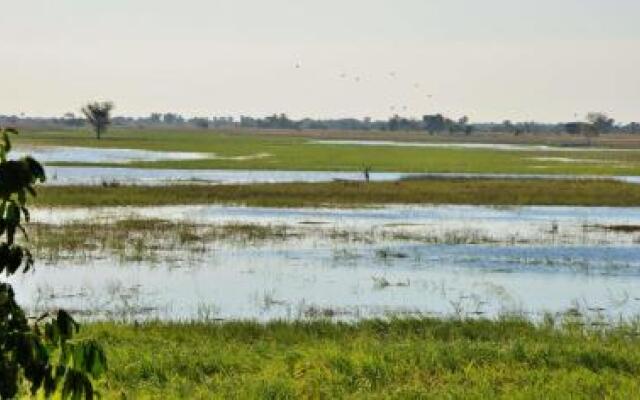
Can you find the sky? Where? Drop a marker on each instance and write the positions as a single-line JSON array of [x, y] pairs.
[[544, 60]]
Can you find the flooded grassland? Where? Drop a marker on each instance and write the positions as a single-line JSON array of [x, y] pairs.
[[192, 150], [193, 288], [222, 262]]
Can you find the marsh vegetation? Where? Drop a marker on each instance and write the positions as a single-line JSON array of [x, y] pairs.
[[440, 191], [150, 263], [418, 265]]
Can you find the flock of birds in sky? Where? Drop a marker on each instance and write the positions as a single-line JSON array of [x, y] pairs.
[[392, 75]]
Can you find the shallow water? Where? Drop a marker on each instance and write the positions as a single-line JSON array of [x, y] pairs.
[[348, 282], [453, 145], [143, 176], [571, 225], [590, 270], [102, 155], [140, 176]]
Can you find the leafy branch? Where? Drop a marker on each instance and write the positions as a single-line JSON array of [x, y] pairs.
[[39, 352]]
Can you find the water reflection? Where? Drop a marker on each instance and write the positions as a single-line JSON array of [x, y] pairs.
[[462, 145], [147, 176], [264, 284], [449, 224], [358, 263], [103, 155]]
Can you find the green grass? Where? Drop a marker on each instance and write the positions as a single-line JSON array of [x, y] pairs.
[[292, 151], [402, 359], [478, 192]]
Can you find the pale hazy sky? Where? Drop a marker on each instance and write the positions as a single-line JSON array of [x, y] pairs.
[[490, 59]]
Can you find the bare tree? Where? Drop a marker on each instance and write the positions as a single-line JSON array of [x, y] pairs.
[[98, 114]]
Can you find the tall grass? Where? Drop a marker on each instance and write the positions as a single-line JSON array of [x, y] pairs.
[[479, 192], [405, 358]]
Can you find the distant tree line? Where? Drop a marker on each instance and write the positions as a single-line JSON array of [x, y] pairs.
[[594, 124]]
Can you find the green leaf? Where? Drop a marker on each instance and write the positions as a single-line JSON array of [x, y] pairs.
[[75, 385], [35, 168], [7, 142], [40, 353], [12, 219], [13, 213], [22, 197], [15, 259], [29, 261], [27, 215], [79, 360], [67, 326], [94, 360]]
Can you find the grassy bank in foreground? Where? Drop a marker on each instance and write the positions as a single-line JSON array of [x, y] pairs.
[[478, 192], [401, 359]]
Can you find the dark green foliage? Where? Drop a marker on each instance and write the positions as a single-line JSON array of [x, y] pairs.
[[41, 354]]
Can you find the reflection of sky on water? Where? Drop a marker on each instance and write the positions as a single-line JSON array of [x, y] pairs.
[[471, 146], [310, 276], [447, 223], [147, 176], [86, 175], [263, 284], [102, 155]]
